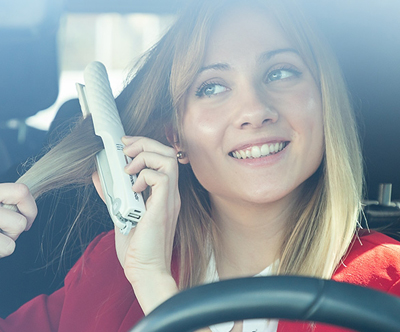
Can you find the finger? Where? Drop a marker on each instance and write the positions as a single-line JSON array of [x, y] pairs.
[[164, 191], [7, 245], [18, 194], [162, 206], [141, 144], [162, 163], [130, 139], [12, 224], [159, 182]]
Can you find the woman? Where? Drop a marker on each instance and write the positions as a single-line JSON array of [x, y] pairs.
[[250, 104]]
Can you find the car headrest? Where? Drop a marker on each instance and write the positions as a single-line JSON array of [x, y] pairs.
[[28, 56]]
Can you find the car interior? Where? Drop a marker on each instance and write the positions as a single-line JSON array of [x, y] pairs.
[[39, 58]]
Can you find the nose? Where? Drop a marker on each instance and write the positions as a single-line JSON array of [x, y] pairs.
[[254, 110]]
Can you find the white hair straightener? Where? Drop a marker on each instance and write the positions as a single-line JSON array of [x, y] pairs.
[[125, 206]]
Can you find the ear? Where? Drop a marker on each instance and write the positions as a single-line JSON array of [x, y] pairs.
[[173, 139], [97, 185]]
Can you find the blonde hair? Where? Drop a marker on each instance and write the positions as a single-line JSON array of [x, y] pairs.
[[324, 221]]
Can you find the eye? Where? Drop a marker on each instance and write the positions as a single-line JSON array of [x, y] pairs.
[[281, 74], [210, 89]]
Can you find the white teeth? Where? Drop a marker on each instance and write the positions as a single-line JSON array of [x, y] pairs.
[[265, 150], [272, 148], [257, 151]]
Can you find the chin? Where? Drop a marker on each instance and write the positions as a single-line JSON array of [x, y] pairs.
[[267, 197]]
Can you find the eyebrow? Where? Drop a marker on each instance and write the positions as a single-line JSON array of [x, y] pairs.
[[268, 55], [263, 57], [216, 66]]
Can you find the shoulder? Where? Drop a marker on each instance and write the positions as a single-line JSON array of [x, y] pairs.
[[99, 255], [374, 245], [373, 260], [103, 244]]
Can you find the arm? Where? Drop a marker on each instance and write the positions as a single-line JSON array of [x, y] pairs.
[[145, 254], [42, 314]]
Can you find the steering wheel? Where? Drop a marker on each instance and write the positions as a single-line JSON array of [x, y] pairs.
[[281, 297]]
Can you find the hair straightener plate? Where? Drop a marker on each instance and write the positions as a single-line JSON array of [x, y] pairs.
[[125, 206]]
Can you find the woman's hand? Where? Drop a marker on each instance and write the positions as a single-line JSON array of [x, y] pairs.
[[13, 223], [146, 252]]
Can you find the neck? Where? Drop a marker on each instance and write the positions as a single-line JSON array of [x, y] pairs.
[[249, 236]]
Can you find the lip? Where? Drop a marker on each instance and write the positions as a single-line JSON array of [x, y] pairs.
[[259, 142]]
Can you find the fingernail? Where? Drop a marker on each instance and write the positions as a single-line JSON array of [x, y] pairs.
[[28, 227], [126, 167], [10, 247], [125, 139]]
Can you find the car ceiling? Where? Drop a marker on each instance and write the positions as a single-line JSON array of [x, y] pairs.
[[123, 6]]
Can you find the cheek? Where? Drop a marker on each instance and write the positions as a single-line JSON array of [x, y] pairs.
[[304, 115], [313, 125], [313, 118], [203, 128], [306, 112]]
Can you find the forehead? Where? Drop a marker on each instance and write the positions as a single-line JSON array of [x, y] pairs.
[[245, 31]]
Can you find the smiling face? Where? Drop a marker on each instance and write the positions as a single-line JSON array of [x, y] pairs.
[[252, 119]]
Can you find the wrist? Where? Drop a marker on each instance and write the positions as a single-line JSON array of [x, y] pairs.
[[153, 289]]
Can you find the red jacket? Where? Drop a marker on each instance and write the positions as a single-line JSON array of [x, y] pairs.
[[98, 297]]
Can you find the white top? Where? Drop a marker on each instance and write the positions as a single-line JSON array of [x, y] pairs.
[[250, 325]]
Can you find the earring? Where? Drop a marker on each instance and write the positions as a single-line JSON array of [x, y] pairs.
[[180, 155]]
